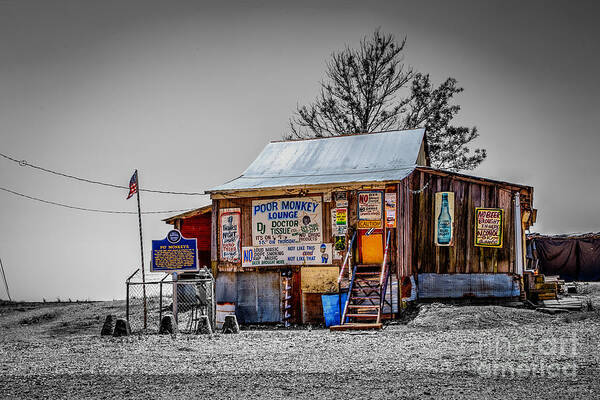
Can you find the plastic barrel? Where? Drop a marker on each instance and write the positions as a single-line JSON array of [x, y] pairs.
[[224, 309], [332, 308]]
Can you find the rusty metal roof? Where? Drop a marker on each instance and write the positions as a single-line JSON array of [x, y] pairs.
[[374, 157]]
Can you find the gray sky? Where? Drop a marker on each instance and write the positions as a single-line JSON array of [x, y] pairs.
[[190, 92]]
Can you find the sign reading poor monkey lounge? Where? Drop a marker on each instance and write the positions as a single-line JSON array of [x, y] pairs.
[[277, 222]]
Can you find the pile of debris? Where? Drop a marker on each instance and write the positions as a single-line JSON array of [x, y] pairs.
[[540, 287], [562, 305], [551, 295]]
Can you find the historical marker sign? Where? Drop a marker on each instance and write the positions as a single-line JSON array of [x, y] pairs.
[[174, 254]]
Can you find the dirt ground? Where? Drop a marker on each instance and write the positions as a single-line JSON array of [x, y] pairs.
[[51, 351]]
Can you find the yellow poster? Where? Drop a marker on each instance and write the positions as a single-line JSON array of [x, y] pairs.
[[488, 227], [341, 216], [369, 224]]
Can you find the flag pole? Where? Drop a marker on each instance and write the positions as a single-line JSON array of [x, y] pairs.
[[142, 249]]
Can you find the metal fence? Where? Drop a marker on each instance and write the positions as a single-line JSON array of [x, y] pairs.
[[148, 301]]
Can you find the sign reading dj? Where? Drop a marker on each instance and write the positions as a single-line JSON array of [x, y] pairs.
[[278, 222]]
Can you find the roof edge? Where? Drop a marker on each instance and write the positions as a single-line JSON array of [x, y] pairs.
[[346, 135]]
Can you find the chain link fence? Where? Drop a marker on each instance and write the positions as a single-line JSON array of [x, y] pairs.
[[147, 302]]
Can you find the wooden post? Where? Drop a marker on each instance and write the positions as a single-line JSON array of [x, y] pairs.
[[175, 296], [142, 250]]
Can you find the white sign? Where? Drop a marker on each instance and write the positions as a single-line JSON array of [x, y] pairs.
[[278, 222], [230, 221], [300, 254], [339, 221], [370, 205], [341, 199]]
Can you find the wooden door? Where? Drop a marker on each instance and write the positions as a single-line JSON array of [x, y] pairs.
[[370, 246]]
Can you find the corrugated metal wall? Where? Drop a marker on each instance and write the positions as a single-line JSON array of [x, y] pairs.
[[255, 294], [467, 285]]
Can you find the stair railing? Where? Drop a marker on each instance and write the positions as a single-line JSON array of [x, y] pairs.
[[383, 265], [382, 294], [347, 258], [343, 320]]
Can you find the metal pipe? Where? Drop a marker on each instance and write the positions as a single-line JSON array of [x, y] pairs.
[[343, 320], [387, 245], [132, 275], [350, 245]]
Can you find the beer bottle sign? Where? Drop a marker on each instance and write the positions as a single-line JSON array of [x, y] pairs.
[[443, 232]]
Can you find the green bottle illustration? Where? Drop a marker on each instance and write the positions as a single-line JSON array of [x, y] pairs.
[[444, 233]]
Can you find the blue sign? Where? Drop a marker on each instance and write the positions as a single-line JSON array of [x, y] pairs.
[[174, 236], [174, 254]]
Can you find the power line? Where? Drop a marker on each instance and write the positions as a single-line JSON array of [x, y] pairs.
[[90, 209], [24, 163]]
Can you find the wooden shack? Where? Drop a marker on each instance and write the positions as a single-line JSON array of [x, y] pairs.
[[365, 212]]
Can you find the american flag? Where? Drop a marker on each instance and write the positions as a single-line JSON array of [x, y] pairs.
[[133, 185]]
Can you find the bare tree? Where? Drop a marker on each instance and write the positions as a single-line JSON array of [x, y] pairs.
[[370, 89]]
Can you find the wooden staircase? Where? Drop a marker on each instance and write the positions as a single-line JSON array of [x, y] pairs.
[[366, 294]]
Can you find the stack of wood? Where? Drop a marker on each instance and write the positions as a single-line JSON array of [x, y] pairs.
[[559, 282], [540, 287], [564, 304]]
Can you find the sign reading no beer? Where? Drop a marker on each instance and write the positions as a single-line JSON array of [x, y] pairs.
[[488, 227]]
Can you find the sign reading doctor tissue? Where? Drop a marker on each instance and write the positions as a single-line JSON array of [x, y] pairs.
[[278, 222]]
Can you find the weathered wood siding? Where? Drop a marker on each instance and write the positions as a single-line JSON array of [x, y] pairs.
[[418, 216]]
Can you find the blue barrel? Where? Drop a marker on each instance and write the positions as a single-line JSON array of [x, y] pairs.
[[331, 308]]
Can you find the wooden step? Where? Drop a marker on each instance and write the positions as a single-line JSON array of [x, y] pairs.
[[368, 273], [365, 298], [355, 327], [372, 306], [361, 315]]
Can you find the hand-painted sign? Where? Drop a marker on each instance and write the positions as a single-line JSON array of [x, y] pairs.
[[370, 210], [444, 219], [390, 210], [488, 227], [174, 254], [341, 199], [369, 224], [230, 232], [287, 221], [340, 243], [300, 254], [339, 221]]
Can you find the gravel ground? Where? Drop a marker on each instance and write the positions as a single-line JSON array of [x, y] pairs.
[[55, 351]]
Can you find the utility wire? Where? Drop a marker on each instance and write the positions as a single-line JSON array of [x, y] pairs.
[[90, 209], [24, 163], [5, 281]]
